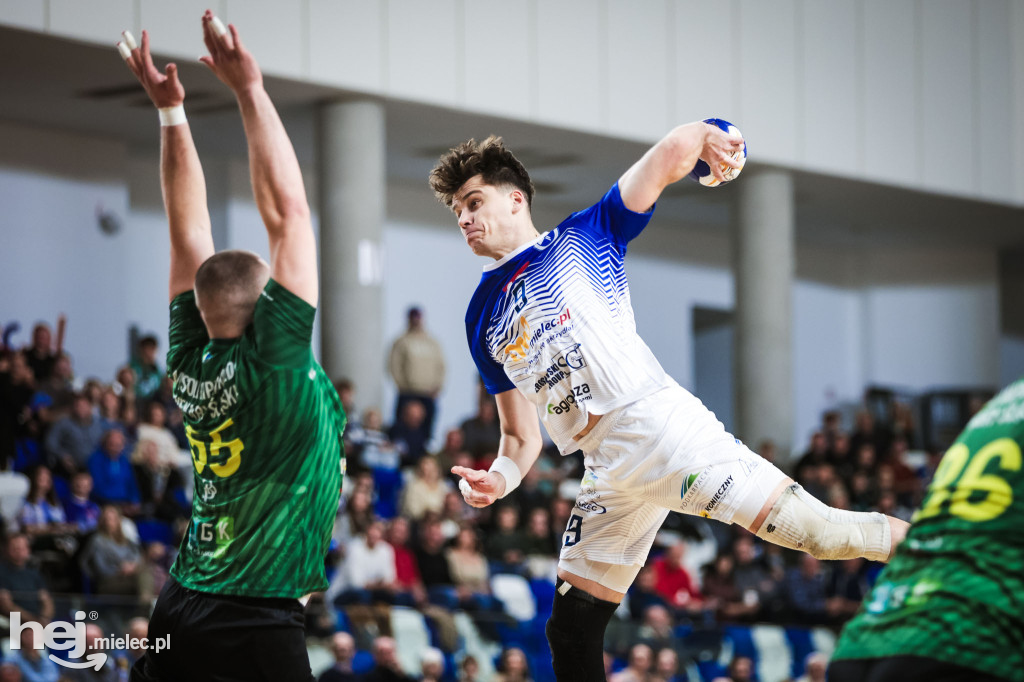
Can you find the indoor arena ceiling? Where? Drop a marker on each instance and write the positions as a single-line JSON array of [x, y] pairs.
[[66, 85]]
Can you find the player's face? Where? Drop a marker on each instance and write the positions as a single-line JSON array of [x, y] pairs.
[[483, 212]]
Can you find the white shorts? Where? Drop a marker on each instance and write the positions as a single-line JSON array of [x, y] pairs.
[[665, 452]]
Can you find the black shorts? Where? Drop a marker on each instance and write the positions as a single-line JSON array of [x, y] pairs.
[[221, 638], [904, 669]]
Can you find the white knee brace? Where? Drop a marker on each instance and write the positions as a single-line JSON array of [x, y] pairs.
[[799, 521]]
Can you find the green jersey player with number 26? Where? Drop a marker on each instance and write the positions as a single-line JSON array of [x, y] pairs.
[[950, 605]]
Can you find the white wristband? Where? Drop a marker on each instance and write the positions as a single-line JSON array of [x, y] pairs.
[[172, 116], [510, 471]]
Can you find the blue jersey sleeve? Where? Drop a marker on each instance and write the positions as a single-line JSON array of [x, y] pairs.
[[611, 218], [493, 374]]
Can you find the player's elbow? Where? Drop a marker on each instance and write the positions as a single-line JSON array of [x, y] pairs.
[[287, 211], [681, 148]]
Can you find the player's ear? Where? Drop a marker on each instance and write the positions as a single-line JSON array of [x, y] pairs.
[[518, 200]]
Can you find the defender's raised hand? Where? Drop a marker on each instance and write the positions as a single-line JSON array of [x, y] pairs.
[[228, 59], [164, 89]]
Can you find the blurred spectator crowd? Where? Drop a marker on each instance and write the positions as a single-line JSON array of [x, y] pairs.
[[96, 488]]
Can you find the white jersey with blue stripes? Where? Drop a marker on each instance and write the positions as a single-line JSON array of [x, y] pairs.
[[553, 319]]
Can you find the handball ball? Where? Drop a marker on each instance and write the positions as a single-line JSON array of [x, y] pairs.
[[702, 172]]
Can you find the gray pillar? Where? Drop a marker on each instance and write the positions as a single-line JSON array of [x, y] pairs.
[[764, 259], [352, 194]]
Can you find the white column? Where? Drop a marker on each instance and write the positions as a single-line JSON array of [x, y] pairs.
[[764, 252], [352, 209]]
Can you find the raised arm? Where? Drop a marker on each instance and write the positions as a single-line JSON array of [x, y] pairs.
[[276, 177], [520, 442], [672, 158], [181, 175]]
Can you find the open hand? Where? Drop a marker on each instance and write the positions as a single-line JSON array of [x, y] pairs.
[[228, 59], [164, 89], [479, 488]]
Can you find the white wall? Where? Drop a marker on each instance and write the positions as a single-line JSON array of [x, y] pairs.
[[51, 186], [916, 319], [923, 94]]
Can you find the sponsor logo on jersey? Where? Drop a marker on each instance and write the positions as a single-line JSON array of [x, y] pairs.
[[692, 485], [565, 363], [528, 336], [587, 500], [717, 497], [577, 395]]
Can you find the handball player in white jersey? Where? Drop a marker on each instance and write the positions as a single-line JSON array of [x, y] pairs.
[[552, 333]]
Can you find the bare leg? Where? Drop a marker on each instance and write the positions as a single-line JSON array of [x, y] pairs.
[[591, 587]]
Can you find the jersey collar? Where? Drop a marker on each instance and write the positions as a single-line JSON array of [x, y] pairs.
[[498, 263]]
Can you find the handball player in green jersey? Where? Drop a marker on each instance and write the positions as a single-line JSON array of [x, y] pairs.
[[950, 605], [264, 423]]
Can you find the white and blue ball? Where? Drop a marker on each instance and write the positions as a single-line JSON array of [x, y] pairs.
[[702, 172]]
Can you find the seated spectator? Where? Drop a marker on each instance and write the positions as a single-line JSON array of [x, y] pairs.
[[110, 559], [60, 387], [153, 429], [343, 647], [110, 410], [455, 514], [22, 588], [16, 389], [723, 596], [41, 355], [409, 433], [426, 491], [847, 586], [355, 518], [512, 666], [73, 438], [42, 516], [804, 588], [674, 582], [741, 669], [642, 594], [814, 668], [431, 665], [407, 573], [539, 546], [138, 630], [31, 661], [367, 573], [454, 445], [657, 629], [753, 579], [381, 457], [638, 667], [433, 563], [469, 670], [112, 474], [468, 567], [79, 509], [147, 371], [482, 432], [506, 544], [386, 667], [160, 484], [666, 666], [154, 571]]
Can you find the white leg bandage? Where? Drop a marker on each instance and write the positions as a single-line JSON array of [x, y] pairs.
[[799, 521]]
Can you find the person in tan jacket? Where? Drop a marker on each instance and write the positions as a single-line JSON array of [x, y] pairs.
[[416, 364]]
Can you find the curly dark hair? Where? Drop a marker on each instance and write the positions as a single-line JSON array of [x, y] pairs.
[[489, 159]]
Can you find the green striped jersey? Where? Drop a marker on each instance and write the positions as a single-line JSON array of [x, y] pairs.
[[264, 425], [954, 591]]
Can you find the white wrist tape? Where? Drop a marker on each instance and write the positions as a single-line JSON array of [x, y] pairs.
[[798, 520], [172, 116], [510, 471]]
